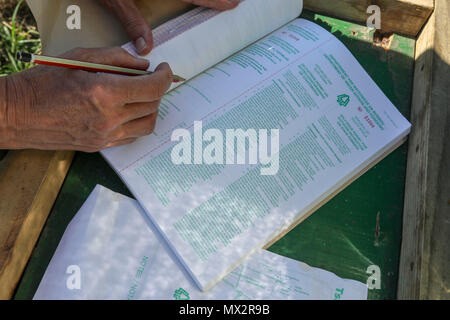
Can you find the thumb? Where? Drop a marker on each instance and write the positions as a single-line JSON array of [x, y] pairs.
[[134, 23]]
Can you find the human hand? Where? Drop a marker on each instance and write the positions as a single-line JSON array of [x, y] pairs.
[[63, 109], [137, 27]]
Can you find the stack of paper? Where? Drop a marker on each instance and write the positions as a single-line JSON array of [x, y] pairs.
[[109, 251]]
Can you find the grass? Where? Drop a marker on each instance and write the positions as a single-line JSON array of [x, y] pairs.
[[17, 33]]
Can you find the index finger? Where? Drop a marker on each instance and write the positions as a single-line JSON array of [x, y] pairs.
[[146, 88]]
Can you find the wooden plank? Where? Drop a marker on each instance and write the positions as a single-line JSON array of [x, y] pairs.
[[405, 17], [425, 257], [29, 184]]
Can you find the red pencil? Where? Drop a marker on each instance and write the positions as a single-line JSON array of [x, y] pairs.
[[86, 66]]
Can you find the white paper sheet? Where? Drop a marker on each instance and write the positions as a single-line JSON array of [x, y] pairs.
[[118, 256]]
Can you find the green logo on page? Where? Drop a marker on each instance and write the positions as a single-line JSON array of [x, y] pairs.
[[181, 294], [343, 100]]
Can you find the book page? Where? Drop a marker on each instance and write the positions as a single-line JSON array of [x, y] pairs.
[[203, 37], [332, 122], [118, 256]]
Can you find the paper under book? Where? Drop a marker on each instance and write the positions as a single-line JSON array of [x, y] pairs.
[[256, 67], [111, 251]]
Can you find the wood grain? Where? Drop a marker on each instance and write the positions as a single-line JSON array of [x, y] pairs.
[[425, 257], [29, 184], [406, 17]]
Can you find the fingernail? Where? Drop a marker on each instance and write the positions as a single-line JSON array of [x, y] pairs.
[[140, 44]]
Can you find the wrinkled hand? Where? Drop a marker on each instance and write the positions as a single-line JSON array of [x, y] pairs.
[[63, 109], [136, 25]]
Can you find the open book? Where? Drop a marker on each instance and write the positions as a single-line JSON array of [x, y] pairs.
[[306, 110]]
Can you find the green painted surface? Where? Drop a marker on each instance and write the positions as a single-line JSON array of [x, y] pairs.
[[339, 237]]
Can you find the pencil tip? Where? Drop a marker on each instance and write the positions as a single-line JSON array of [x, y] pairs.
[[178, 79]]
